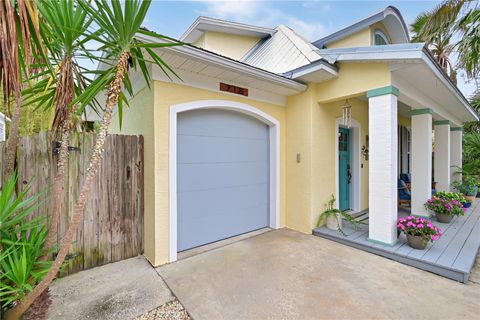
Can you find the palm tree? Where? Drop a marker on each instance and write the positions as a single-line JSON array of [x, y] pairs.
[[19, 45], [118, 29], [439, 43], [460, 19], [65, 33]]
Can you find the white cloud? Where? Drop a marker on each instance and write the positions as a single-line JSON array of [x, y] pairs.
[[261, 13], [240, 9]]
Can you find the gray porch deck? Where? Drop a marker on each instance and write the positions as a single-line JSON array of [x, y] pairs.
[[452, 256]]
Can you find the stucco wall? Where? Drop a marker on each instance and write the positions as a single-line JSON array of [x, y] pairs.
[[229, 45], [330, 112], [354, 79], [299, 174], [363, 38], [311, 133]]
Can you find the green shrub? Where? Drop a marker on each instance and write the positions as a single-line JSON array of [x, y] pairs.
[[21, 243]]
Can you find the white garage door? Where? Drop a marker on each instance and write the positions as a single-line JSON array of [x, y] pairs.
[[222, 177]]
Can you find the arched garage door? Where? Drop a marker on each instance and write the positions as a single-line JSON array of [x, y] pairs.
[[222, 176]]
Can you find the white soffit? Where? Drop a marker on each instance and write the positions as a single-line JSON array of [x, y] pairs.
[[422, 88], [205, 70]]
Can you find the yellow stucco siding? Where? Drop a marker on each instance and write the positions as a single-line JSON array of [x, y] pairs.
[[166, 95], [229, 45], [363, 38], [138, 119], [354, 79], [200, 42], [330, 113], [311, 133], [299, 141]]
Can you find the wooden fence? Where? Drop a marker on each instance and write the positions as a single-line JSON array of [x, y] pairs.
[[112, 227]]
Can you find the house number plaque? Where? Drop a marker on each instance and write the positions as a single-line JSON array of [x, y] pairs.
[[233, 89]]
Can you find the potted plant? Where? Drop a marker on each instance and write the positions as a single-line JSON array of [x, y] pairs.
[[333, 217], [455, 196], [468, 186], [445, 206], [419, 231]]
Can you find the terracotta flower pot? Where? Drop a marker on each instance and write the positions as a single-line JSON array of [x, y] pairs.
[[443, 218], [470, 198], [416, 242]]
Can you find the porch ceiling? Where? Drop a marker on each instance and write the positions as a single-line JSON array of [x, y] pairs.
[[421, 88]]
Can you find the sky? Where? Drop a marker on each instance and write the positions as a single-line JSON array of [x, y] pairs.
[[311, 19]]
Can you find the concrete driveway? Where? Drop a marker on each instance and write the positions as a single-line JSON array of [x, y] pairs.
[[120, 290], [284, 274]]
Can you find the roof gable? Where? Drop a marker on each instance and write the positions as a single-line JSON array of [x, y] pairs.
[[390, 18]]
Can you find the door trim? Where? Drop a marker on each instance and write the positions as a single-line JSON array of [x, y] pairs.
[[355, 162], [274, 157]]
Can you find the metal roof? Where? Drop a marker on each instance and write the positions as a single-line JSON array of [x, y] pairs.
[[282, 52]]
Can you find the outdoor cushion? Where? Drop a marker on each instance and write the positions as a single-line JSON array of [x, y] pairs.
[[403, 192], [405, 177]]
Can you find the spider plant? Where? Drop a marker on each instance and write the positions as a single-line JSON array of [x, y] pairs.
[[333, 213]]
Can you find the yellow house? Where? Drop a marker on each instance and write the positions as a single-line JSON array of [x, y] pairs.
[[264, 126]]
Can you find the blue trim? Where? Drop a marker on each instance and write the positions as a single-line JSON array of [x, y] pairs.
[[382, 243], [417, 112], [441, 122]]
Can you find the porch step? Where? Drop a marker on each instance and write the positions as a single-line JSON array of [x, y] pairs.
[[361, 216]]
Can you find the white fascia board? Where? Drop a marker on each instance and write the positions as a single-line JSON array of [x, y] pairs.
[[202, 24], [376, 55], [306, 72], [436, 69], [228, 63]]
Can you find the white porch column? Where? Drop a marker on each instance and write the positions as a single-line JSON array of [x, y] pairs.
[[383, 136], [442, 155], [456, 135], [421, 160]]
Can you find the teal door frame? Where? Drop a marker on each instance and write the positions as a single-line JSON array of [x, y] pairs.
[[344, 168]]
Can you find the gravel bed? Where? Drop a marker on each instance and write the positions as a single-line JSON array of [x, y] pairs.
[[172, 310]]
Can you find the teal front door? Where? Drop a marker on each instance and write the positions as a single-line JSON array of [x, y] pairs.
[[344, 174]]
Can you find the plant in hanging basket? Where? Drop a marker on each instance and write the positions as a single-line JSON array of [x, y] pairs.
[[445, 206], [419, 231]]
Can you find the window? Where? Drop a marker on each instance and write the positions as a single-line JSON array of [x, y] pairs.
[[380, 38]]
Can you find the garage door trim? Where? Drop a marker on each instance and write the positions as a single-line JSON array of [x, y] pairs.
[[274, 139]]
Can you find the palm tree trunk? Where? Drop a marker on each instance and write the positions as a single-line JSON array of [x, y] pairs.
[[57, 191], [97, 155], [13, 137]]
